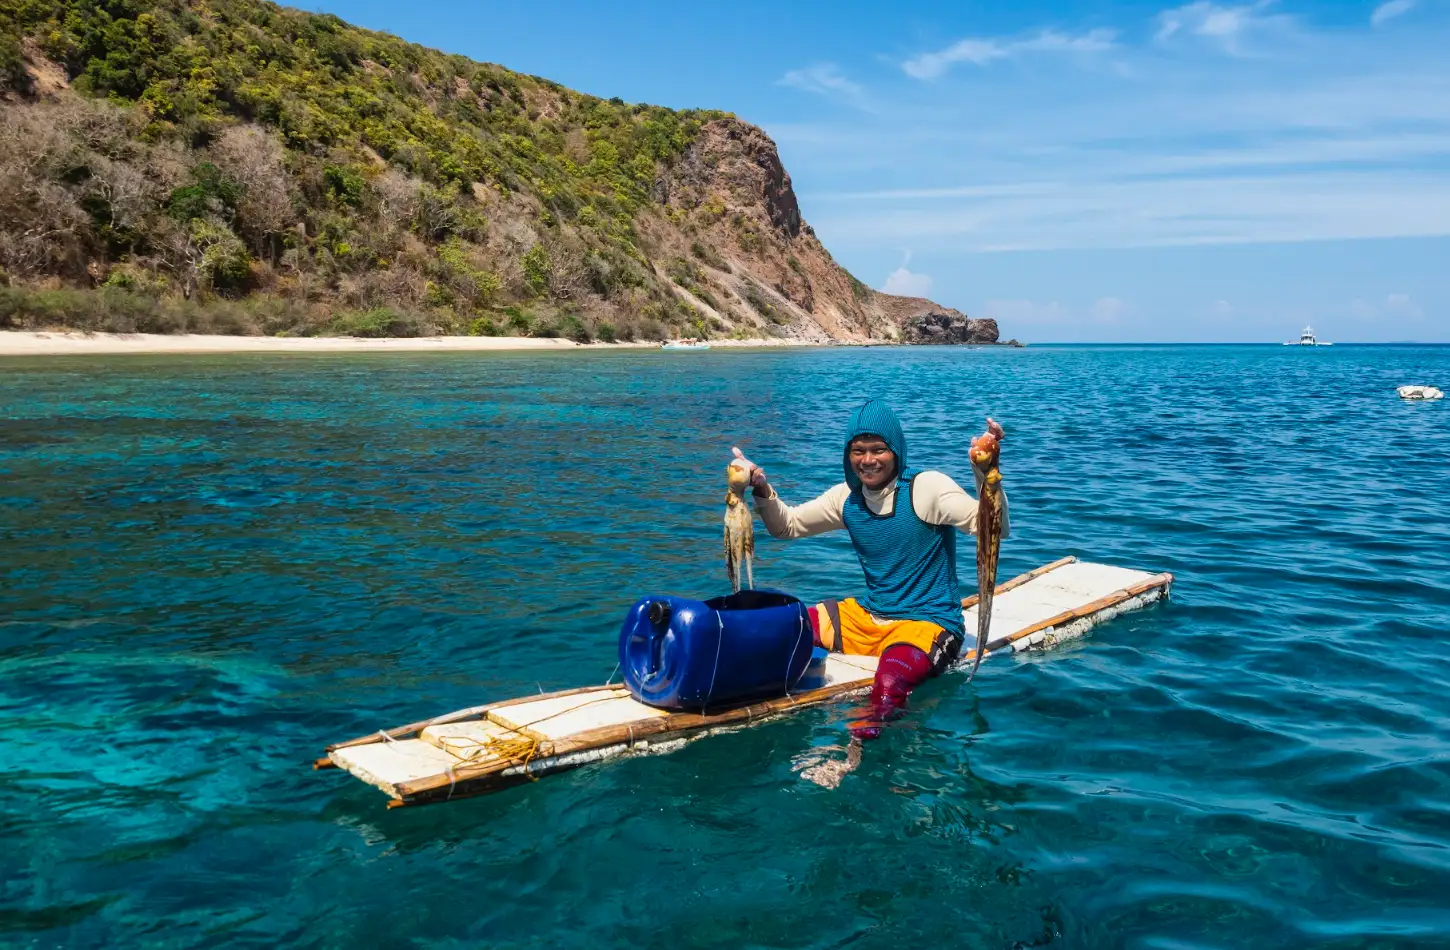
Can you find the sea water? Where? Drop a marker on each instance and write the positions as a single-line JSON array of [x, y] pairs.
[[214, 566]]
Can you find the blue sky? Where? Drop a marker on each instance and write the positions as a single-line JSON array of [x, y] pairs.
[[1081, 172]]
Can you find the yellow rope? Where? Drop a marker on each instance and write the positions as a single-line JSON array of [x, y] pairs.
[[521, 750]]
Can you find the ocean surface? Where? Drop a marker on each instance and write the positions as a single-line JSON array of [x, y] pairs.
[[211, 567]]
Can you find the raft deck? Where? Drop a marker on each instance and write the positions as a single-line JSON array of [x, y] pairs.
[[487, 748]]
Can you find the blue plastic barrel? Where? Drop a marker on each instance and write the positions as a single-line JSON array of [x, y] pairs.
[[678, 653]]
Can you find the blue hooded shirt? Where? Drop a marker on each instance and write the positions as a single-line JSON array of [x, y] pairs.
[[910, 566]]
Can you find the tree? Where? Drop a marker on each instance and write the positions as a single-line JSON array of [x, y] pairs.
[[254, 159]]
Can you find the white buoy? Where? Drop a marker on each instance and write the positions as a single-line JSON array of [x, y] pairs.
[[1420, 392]]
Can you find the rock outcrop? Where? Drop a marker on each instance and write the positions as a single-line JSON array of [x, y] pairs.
[[949, 326]]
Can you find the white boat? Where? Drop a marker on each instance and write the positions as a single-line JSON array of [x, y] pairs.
[[1307, 338], [684, 346]]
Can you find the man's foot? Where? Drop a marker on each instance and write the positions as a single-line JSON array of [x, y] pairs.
[[827, 772]]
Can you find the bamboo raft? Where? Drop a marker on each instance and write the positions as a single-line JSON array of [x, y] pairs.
[[488, 748]]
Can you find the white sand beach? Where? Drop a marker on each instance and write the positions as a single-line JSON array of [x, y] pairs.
[[62, 343]]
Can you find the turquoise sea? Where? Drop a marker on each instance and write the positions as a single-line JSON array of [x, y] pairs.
[[211, 567]]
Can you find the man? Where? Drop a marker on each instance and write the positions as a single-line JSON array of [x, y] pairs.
[[903, 526]]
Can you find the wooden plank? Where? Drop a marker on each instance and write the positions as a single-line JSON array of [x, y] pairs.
[[405, 732], [1077, 613], [617, 710], [386, 764], [1019, 580]]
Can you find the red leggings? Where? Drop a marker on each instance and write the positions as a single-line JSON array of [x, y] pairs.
[[902, 668]]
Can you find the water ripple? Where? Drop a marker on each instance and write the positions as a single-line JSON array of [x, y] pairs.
[[213, 567]]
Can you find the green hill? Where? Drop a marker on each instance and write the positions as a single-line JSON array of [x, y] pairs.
[[236, 166]]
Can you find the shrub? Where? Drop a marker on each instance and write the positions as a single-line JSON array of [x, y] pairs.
[[758, 301], [225, 264], [749, 241], [211, 193], [709, 255], [519, 322], [536, 269], [574, 329], [484, 326], [345, 185], [607, 332], [375, 323], [13, 74]]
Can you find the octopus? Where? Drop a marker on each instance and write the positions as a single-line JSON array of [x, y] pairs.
[[739, 529], [985, 453]]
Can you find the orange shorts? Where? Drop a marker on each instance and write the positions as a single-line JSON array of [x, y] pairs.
[[844, 626]]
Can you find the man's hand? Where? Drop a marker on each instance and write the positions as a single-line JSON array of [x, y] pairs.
[[756, 474]]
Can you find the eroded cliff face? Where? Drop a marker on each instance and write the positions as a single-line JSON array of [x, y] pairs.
[[731, 193]]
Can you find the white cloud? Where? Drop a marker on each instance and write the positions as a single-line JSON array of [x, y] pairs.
[[1110, 309], [1390, 9], [823, 79], [1168, 212], [1397, 307], [1017, 312], [984, 51], [1224, 25], [1340, 134], [904, 283], [1403, 304], [1051, 41]]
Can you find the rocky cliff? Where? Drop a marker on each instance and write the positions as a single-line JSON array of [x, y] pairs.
[[315, 177]]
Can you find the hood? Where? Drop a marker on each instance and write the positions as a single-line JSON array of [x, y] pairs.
[[874, 417]]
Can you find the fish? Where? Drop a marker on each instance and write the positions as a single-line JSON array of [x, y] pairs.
[[739, 529], [986, 453]]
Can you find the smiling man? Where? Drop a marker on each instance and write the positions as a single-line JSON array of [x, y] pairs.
[[903, 526]]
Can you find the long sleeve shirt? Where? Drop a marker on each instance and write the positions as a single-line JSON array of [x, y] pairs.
[[935, 498]]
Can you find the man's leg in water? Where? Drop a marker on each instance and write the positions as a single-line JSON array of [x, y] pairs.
[[902, 668]]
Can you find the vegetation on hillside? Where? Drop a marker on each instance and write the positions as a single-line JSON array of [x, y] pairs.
[[268, 170]]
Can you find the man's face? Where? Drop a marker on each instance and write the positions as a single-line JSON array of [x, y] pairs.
[[872, 461]]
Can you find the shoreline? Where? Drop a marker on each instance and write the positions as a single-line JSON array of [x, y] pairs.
[[69, 343]]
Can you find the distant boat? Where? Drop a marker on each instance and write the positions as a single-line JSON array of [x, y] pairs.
[[685, 345], [1307, 338]]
